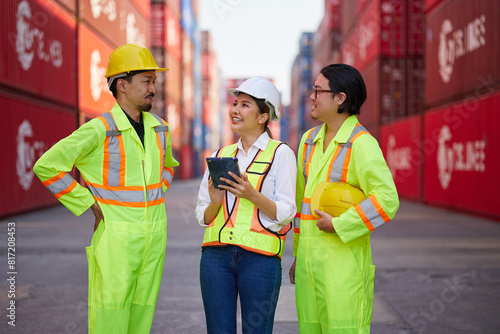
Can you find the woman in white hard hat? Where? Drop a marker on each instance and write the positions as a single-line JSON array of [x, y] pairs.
[[246, 222]]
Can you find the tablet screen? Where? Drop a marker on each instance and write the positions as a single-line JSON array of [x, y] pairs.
[[220, 166]]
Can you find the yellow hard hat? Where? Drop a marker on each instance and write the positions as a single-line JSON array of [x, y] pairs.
[[335, 198], [131, 57]]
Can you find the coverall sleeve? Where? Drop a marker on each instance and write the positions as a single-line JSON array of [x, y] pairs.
[[369, 172], [299, 194], [54, 166], [169, 163]]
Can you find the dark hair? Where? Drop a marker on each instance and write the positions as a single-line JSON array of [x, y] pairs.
[[264, 109], [128, 78], [346, 79]]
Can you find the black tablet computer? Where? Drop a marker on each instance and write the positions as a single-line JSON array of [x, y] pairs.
[[220, 166]]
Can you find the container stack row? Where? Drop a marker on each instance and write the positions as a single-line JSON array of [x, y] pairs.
[[53, 60], [447, 156], [433, 79], [38, 93]]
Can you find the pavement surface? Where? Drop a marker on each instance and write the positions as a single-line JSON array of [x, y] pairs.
[[438, 272]]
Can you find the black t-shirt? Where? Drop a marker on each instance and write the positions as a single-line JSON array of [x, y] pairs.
[[138, 126]]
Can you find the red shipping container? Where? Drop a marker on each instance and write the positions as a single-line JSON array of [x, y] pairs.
[[461, 155], [38, 53], [187, 162], [95, 97], [119, 22], [431, 4], [391, 28], [462, 50], [30, 128], [69, 5], [173, 34], [400, 142], [173, 77], [144, 7], [173, 118], [175, 8], [158, 25]]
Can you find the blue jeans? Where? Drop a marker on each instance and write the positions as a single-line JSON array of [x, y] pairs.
[[229, 271]]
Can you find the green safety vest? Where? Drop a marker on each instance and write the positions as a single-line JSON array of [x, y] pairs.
[[241, 225]]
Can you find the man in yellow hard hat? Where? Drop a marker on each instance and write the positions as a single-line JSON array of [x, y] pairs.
[[344, 191], [125, 157]]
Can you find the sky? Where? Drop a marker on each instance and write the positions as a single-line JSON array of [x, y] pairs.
[[259, 37]]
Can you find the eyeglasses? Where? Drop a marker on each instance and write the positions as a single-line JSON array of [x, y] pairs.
[[316, 91]]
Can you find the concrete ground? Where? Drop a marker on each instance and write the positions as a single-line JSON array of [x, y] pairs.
[[438, 272]]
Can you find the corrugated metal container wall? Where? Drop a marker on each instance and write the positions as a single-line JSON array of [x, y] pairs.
[[187, 77], [29, 128], [462, 50], [415, 82], [348, 10], [95, 97], [69, 5], [144, 7], [119, 24], [392, 89], [157, 25], [173, 34], [391, 28], [362, 45], [431, 4], [461, 155], [173, 77], [400, 142], [369, 116], [159, 103], [173, 119], [38, 53], [175, 7]]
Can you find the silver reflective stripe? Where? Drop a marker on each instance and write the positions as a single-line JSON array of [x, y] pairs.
[[161, 130], [167, 176], [310, 144], [155, 194], [118, 195], [296, 222], [113, 150], [60, 185], [306, 209], [371, 213], [356, 130], [338, 164]]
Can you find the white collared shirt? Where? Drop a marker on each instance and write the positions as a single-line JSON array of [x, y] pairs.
[[278, 186]]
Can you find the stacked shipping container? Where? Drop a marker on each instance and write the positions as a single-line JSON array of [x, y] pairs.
[[38, 94], [299, 119], [385, 43], [105, 25], [212, 113], [462, 99]]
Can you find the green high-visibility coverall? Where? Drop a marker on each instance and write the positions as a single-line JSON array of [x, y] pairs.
[[334, 271], [128, 180]]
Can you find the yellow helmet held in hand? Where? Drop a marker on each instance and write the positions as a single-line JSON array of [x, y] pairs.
[[335, 198], [131, 57]]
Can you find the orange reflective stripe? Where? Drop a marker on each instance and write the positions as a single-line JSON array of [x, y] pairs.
[[61, 184], [122, 161], [345, 166], [54, 179], [379, 208], [128, 204], [364, 218], [335, 154]]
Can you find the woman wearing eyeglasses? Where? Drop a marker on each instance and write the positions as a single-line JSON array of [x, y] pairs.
[[333, 271], [246, 222]]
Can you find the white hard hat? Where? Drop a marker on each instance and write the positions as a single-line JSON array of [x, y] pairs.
[[263, 89]]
